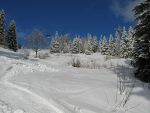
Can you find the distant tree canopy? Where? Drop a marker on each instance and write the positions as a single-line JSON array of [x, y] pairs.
[[120, 45]]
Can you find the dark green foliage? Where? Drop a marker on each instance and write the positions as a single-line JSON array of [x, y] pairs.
[[56, 44], [11, 37], [2, 27], [142, 41], [76, 46]]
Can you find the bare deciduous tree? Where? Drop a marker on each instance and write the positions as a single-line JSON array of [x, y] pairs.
[[35, 41]]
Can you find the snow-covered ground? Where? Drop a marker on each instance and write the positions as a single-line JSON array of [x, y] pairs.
[[52, 85]]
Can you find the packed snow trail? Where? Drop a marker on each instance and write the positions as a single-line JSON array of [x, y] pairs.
[[15, 69]]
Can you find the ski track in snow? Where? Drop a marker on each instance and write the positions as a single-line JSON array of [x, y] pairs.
[[20, 67], [85, 87]]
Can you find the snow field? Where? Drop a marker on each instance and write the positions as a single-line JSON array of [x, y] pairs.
[[52, 85]]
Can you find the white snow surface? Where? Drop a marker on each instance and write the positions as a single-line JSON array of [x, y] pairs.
[[52, 85]]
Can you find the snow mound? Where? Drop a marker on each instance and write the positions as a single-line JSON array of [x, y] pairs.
[[5, 108], [19, 111]]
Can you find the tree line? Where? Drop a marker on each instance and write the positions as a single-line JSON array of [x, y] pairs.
[[8, 37], [121, 45]]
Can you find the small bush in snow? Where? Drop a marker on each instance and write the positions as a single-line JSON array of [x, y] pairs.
[[76, 62], [107, 57], [43, 55], [87, 52], [125, 79], [26, 54]]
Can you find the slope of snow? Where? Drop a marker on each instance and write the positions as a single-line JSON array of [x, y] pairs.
[[52, 85]]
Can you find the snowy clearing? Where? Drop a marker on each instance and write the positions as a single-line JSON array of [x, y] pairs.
[[52, 85]]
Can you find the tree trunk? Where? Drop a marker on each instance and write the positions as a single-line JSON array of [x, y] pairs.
[[36, 53]]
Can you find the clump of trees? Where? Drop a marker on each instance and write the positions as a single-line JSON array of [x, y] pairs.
[[120, 45], [8, 38]]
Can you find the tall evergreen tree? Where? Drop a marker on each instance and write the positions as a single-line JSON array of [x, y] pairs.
[[118, 41], [104, 46], [94, 44], [124, 33], [2, 28], [11, 36], [76, 46], [89, 43], [100, 47], [131, 39], [111, 46], [66, 38], [124, 44], [81, 46], [55, 44], [126, 47], [66, 48], [85, 44], [70, 45], [142, 41]]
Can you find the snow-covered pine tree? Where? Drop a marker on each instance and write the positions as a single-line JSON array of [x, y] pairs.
[[75, 45], [118, 41], [56, 47], [131, 39], [142, 41], [66, 38], [11, 36], [104, 46], [52, 45], [66, 43], [124, 49], [81, 46], [2, 28], [55, 44], [94, 44], [100, 47], [111, 46], [85, 45], [90, 49], [70, 46], [124, 46], [66, 48], [127, 42], [89, 43], [61, 42], [124, 33]]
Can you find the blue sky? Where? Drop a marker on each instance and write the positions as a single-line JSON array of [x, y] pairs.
[[69, 16]]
